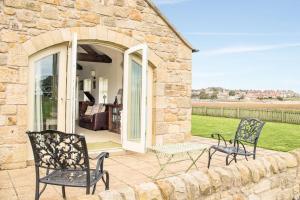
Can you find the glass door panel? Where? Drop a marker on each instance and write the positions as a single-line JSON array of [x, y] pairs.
[[133, 120], [134, 101], [46, 93], [47, 89]]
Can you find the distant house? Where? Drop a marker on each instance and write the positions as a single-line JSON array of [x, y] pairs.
[[57, 57]]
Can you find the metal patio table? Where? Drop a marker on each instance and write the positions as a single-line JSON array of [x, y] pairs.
[[173, 153]]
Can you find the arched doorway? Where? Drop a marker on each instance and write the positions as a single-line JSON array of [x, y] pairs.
[[51, 90]]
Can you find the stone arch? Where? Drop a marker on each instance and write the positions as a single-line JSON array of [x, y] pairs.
[[19, 55]]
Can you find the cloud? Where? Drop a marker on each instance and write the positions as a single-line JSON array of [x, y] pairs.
[[246, 49], [164, 2], [240, 34]]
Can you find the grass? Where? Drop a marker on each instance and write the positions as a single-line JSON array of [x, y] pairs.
[[275, 136]]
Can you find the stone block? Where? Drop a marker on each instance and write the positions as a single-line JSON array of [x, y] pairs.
[[245, 173], [9, 74], [274, 165], [90, 17], [110, 195], [25, 15], [3, 59], [226, 177], [87, 197], [289, 159], [3, 47], [203, 181], [16, 94], [12, 135], [179, 188], [127, 193], [50, 12], [267, 165], [14, 3], [262, 186], [12, 153], [192, 186], [254, 171], [215, 179], [22, 116], [32, 5], [135, 15], [9, 36], [282, 166], [2, 87], [236, 176], [84, 4], [148, 191]]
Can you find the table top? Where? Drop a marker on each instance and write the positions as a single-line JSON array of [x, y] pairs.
[[172, 149]]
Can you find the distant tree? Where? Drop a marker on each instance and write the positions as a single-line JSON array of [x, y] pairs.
[[279, 98], [214, 95], [231, 93], [203, 95], [242, 97]]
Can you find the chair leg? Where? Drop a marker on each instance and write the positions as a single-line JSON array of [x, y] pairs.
[[63, 191], [106, 181], [227, 157], [37, 190], [210, 154], [88, 189], [94, 189]]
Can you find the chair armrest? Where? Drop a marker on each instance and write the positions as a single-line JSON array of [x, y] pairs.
[[220, 138], [99, 116], [100, 162]]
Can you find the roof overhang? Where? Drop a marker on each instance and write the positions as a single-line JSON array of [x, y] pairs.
[[164, 18]]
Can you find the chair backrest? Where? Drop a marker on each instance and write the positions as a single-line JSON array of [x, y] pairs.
[[58, 150], [249, 130]]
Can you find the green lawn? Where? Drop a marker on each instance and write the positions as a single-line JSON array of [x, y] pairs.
[[276, 136]]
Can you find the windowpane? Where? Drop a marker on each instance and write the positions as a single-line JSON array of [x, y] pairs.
[[46, 93], [134, 101]]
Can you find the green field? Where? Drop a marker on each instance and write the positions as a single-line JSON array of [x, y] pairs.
[[275, 136]]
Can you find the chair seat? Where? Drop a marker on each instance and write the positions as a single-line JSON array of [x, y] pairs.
[[231, 150], [71, 178], [87, 118]]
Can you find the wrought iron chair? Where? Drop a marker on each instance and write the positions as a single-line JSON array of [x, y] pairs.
[[247, 132], [65, 158]]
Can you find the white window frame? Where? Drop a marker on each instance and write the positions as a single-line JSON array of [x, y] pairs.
[[103, 89]]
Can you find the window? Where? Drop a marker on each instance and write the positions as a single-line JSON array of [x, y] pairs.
[[103, 90], [87, 87]]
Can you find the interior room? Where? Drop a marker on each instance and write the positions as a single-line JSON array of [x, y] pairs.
[[99, 95]]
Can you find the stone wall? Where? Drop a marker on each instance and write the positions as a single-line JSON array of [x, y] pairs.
[[28, 26], [276, 177]]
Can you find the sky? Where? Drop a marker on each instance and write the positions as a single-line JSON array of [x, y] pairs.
[[252, 44]]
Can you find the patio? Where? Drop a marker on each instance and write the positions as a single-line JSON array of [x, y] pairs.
[[125, 168]]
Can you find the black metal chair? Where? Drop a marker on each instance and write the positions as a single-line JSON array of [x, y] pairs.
[[247, 132], [65, 158]]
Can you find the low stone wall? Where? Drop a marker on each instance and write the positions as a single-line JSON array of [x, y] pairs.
[[275, 177]]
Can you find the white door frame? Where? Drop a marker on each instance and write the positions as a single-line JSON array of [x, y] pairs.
[[62, 61], [130, 145], [71, 85]]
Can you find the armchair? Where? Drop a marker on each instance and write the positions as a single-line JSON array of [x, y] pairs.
[[248, 132], [65, 158], [97, 121]]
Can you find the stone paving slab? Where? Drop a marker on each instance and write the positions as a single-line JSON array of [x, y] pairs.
[[125, 170]]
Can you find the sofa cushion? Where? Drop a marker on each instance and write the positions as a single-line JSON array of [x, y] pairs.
[[89, 110]]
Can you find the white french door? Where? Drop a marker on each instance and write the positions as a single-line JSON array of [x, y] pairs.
[[71, 86], [133, 123], [47, 86]]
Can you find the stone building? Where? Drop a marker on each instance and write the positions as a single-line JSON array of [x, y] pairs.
[[41, 41]]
